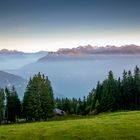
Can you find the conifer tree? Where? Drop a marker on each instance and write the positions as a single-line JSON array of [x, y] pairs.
[[137, 87], [38, 101], [13, 106], [1, 105]]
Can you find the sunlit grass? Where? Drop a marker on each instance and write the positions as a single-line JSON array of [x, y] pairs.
[[111, 126]]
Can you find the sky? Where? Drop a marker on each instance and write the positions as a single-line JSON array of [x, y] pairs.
[[33, 25]]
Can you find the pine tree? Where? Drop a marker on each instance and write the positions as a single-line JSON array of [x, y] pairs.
[[38, 101], [106, 94], [1, 105], [137, 87], [13, 106], [17, 104]]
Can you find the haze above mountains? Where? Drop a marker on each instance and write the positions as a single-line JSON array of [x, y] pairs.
[[87, 65]]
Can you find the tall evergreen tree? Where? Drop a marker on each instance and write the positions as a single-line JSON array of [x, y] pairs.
[[38, 101], [1, 105], [137, 87], [13, 106]]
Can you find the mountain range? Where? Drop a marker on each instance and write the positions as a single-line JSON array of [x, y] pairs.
[[13, 59], [127, 49], [64, 73], [82, 51], [89, 49], [8, 52], [15, 52], [132, 49]]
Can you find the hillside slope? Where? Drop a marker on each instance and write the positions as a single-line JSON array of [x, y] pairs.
[[9, 80], [119, 126]]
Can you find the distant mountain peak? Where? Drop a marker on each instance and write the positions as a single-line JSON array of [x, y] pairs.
[[16, 52], [6, 51], [76, 51]]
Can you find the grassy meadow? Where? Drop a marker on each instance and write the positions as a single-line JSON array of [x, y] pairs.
[[107, 126]]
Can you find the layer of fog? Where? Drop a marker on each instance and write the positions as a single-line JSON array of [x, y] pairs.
[[76, 78]]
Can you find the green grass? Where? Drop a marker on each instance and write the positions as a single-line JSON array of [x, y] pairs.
[[108, 126]]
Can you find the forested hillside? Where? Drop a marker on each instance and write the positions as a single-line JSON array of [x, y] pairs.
[[38, 102], [110, 95]]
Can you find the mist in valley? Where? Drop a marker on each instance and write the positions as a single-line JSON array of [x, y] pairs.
[[76, 77]]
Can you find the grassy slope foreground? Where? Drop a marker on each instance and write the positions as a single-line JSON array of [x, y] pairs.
[[112, 126]]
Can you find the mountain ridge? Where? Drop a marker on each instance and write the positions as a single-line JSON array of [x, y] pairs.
[[95, 49], [6, 51], [82, 51], [8, 80], [15, 52]]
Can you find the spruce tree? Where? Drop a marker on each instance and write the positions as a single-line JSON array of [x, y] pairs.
[[137, 87], [13, 106], [1, 105], [38, 101]]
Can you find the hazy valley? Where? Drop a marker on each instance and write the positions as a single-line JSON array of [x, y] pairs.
[[71, 75]]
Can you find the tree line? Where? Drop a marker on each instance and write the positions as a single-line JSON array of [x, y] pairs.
[[109, 95], [38, 102]]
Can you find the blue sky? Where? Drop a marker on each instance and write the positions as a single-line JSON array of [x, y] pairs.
[[32, 25]]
